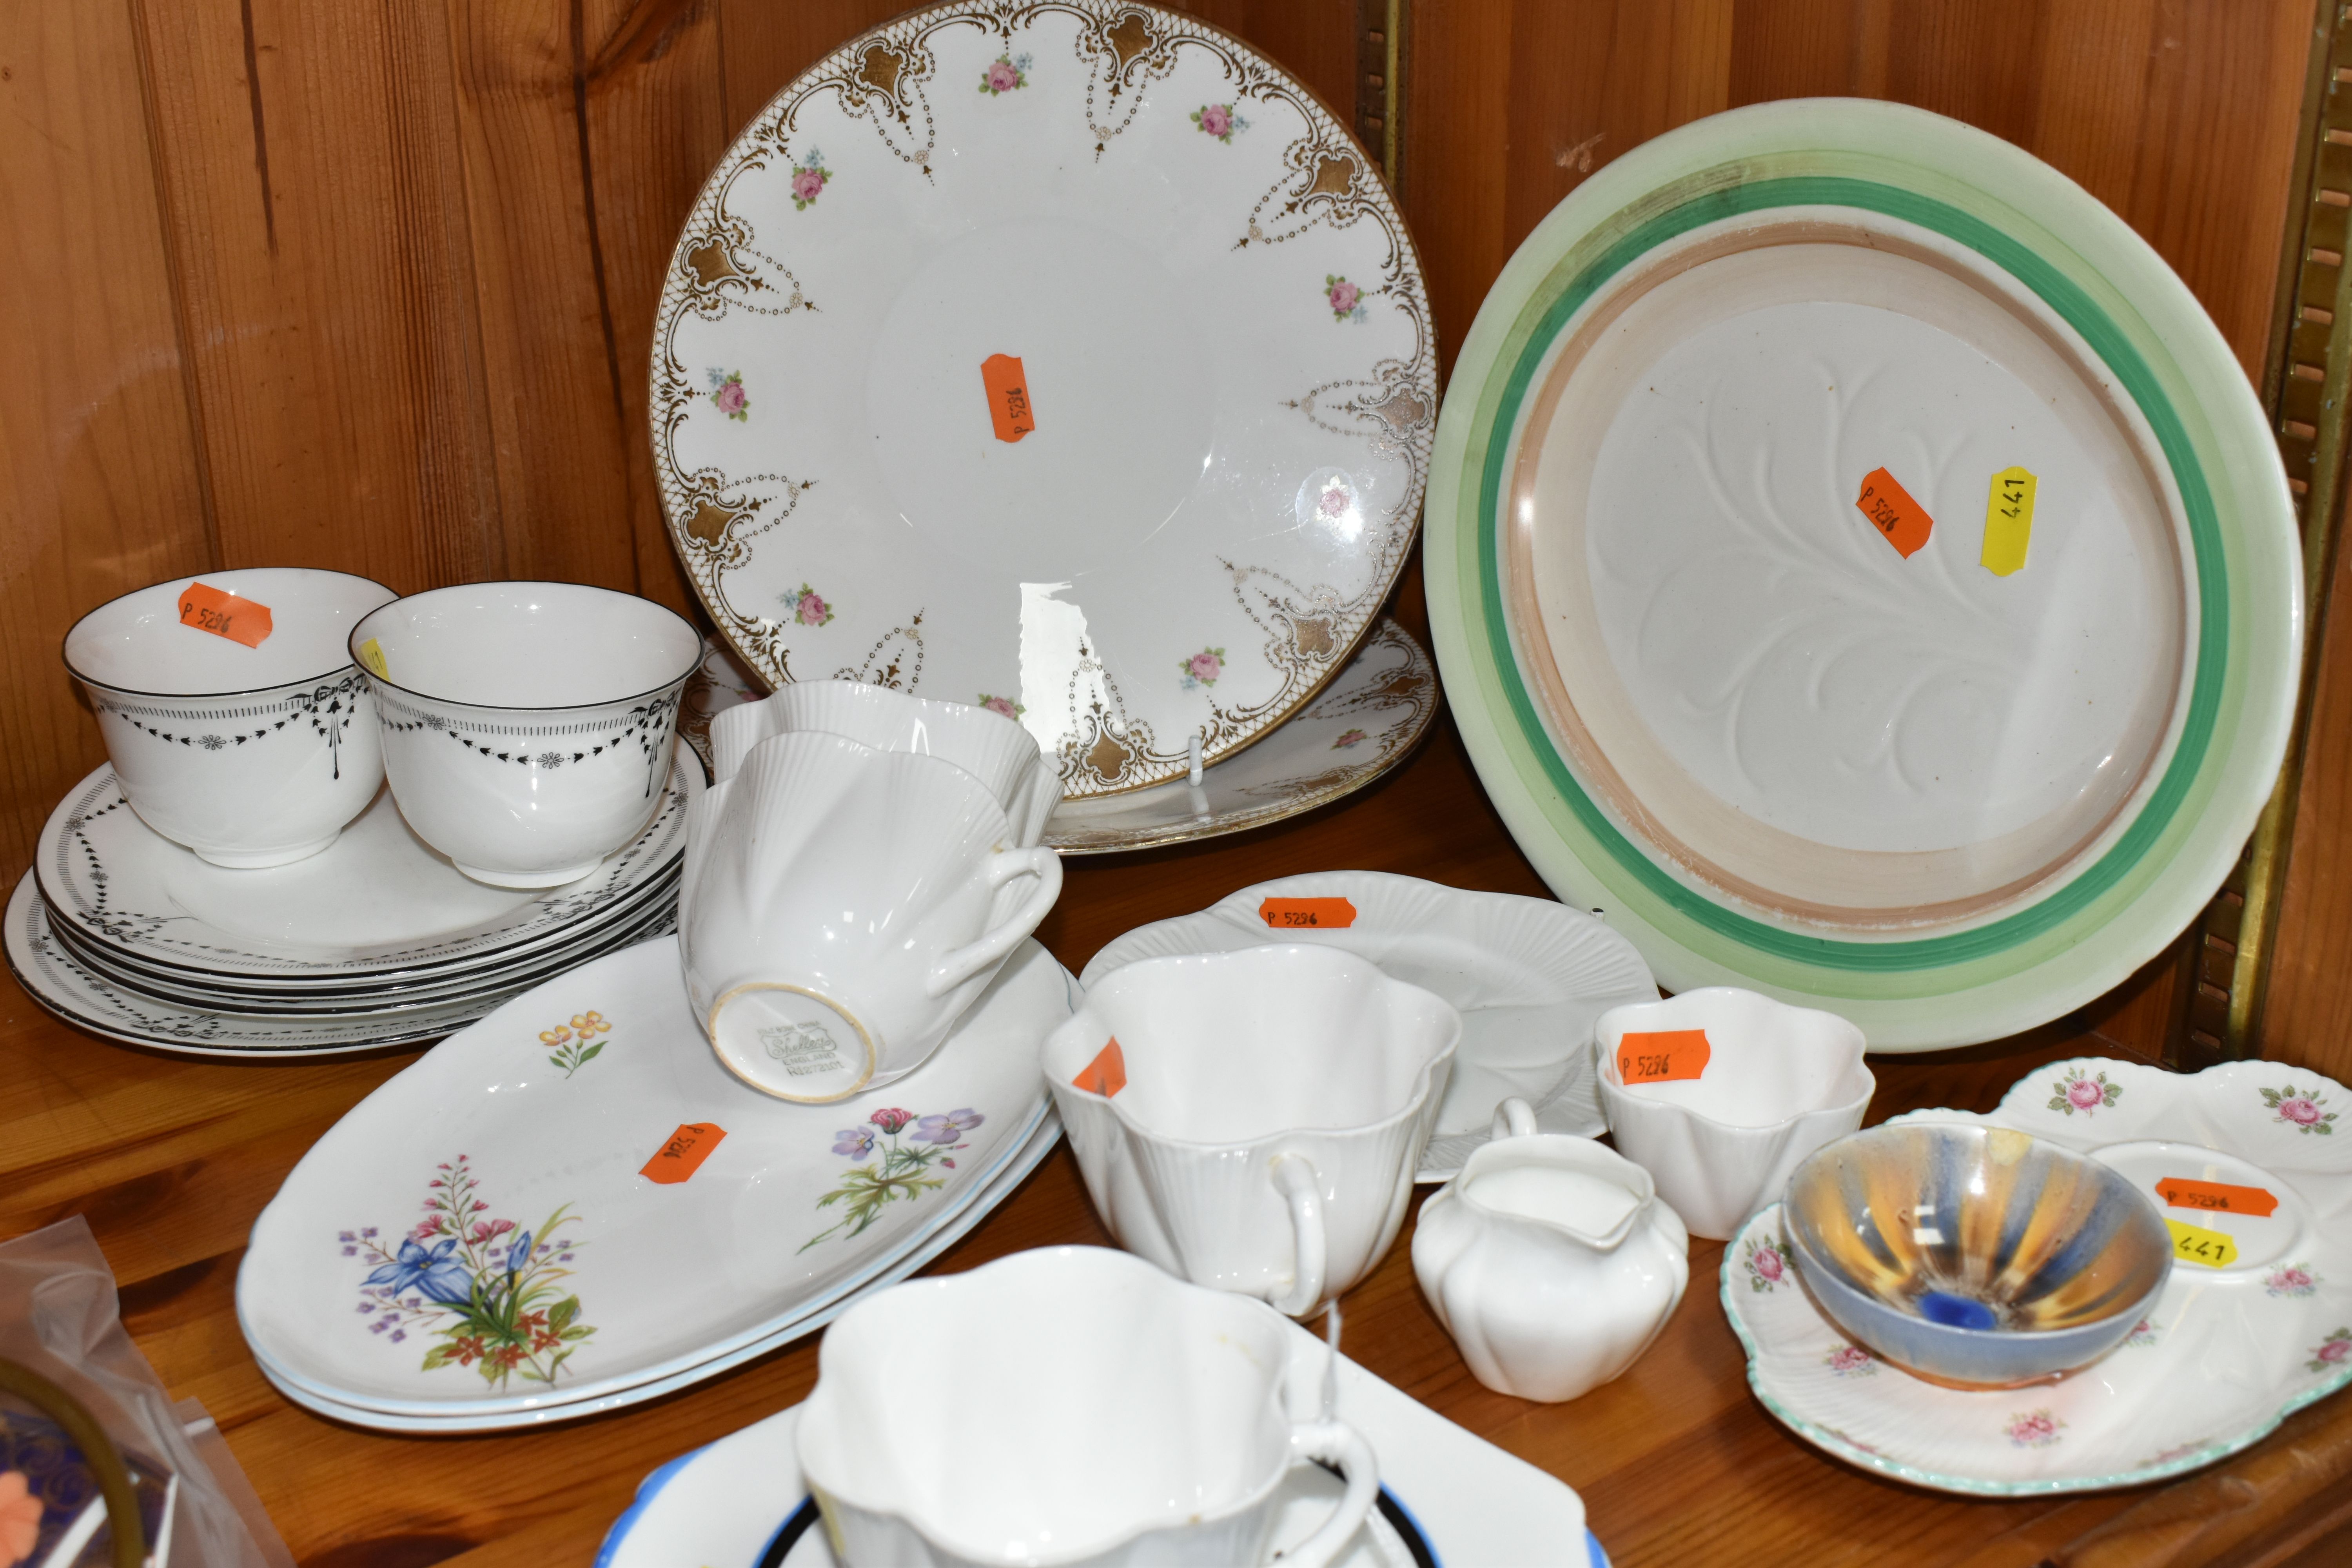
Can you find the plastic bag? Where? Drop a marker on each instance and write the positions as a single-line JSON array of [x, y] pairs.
[[60, 1320]]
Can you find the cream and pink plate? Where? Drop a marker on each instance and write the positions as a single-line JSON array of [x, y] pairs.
[[1072, 359], [2254, 1323], [1858, 562]]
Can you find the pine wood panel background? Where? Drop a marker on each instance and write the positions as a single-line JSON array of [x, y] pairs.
[[370, 284]]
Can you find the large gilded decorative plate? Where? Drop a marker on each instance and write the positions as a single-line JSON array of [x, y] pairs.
[[1066, 355], [1858, 565]]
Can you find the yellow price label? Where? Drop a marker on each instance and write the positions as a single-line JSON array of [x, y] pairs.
[[2195, 1243], [373, 657], [2008, 522]]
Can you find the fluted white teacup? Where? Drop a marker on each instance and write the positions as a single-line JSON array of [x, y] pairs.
[[983, 743], [252, 749], [1776, 1083], [1070, 1407], [1251, 1121], [842, 906]]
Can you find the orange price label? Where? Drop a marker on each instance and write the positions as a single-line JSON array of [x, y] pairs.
[[209, 609], [1307, 914], [683, 1151], [1008, 396], [1662, 1056], [1892, 511], [2219, 1197], [1106, 1074]]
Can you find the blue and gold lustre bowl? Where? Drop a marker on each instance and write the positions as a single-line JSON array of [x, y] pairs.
[[1974, 1257]]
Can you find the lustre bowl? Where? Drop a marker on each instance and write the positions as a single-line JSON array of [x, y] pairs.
[[1973, 1257]]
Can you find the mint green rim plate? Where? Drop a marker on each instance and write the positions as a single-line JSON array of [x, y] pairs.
[[2077, 935]]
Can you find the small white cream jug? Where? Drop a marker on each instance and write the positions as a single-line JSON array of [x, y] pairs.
[[1551, 1259]]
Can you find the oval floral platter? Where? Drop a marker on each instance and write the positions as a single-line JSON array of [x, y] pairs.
[[1858, 565], [1060, 354], [577, 1221], [2255, 1322]]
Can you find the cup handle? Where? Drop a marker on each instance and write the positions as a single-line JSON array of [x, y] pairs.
[[1336, 1443], [1514, 1117], [1295, 1179], [968, 960]]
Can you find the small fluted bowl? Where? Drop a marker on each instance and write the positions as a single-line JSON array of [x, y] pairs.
[[1974, 1257]]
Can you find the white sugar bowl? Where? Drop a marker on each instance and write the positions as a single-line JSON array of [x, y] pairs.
[[1551, 1259]]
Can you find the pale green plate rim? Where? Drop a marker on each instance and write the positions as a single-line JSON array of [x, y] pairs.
[[2088, 931]]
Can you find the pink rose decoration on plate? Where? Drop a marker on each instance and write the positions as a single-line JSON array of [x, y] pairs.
[[2075, 1092], [1849, 1362], [1203, 667], [727, 395], [1352, 738], [1005, 705], [2034, 1429], [2294, 1280], [2305, 1111], [808, 180], [1005, 73], [1345, 298], [1218, 120], [1766, 1266], [808, 607], [2331, 1353]]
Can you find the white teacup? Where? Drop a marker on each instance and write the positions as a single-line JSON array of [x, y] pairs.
[[527, 726], [1251, 1121], [1072, 1407], [1779, 1083], [841, 907], [250, 755], [990, 747]]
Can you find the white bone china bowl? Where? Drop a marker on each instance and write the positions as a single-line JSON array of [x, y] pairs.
[[527, 726], [250, 755], [1779, 1083]]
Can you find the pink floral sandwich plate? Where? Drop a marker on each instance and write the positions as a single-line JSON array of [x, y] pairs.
[[375, 941], [1445, 1496], [2254, 1183], [1858, 565], [1531, 977], [1069, 358], [572, 1206]]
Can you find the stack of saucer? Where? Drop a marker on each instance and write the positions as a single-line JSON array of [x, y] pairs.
[[376, 941]]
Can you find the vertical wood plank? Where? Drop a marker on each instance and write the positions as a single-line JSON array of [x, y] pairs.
[[316, 212], [100, 491], [550, 359], [655, 122]]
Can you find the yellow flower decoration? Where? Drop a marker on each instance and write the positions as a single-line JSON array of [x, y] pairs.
[[591, 1024], [554, 1037]]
